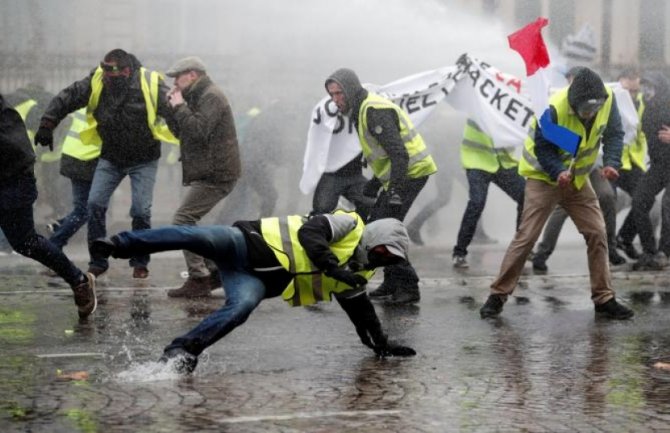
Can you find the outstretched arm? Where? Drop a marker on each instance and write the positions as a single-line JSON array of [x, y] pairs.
[[362, 314]]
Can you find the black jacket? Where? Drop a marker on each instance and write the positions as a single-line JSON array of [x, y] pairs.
[[16, 152], [121, 116], [656, 114], [383, 123]]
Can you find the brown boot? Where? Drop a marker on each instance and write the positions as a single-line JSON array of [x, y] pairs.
[[194, 287]]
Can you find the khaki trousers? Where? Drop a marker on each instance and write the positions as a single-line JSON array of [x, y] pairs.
[[199, 200], [582, 207]]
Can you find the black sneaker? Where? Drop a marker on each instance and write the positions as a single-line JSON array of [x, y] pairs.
[[405, 297], [182, 361], [613, 310], [492, 307], [628, 249], [615, 258], [539, 263], [647, 262], [84, 296], [383, 291], [96, 270]]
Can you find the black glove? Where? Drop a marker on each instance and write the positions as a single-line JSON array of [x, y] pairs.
[[45, 137], [371, 187], [394, 198], [391, 349], [347, 277]]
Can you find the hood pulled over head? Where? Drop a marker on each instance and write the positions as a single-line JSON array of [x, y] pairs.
[[587, 86], [388, 232], [350, 84]]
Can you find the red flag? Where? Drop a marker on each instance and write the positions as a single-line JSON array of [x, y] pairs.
[[529, 43]]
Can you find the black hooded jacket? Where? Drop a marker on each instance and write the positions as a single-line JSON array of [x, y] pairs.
[[383, 123], [16, 152], [656, 114], [586, 85], [121, 115]]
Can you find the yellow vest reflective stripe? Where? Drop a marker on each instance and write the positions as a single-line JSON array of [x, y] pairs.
[[478, 151], [309, 284], [635, 152], [24, 109], [420, 161], [73, 146], [149, 85], [588, 147]]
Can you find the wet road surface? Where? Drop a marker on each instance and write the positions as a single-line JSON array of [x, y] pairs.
[[547, 364]]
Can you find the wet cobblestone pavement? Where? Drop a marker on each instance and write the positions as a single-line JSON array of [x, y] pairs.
[[545, 365]]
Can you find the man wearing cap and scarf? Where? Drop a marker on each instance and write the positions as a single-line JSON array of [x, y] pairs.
[[305, 260], [125, 107], [585, 113], [210, 158], [400, 164]]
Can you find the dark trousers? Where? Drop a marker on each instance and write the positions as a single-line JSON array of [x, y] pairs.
[[399, 276], [508, 180], [653, 182], [16, 221], [628, 181], [332, 186]]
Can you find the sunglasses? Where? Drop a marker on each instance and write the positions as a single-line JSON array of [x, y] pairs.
[[110, 68], [590, 107]]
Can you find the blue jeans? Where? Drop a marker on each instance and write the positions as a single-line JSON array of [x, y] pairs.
[[72, 222], [226, 247], [106, 179], [508, 180], [17, 223]]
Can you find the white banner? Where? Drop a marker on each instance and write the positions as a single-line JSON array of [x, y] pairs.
[[332, 140], [494, 100]]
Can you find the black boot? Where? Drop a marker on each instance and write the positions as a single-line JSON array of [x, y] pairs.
[[405, 296], [613, 310], [492, 307], [384, 291]]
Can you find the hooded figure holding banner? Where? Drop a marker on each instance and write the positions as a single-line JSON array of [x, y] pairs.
[[556, 162], [400, 164]]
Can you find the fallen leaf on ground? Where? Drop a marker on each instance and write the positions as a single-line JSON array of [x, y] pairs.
[[75, 375]]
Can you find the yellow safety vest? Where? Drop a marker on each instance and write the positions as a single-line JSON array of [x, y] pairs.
[[24, 109], [589, 145], [149, 84], [478, 151], [309, 284], [73, 146], [420, 161], [635, 152]]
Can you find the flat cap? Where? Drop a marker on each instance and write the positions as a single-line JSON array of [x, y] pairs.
[[186, 64]]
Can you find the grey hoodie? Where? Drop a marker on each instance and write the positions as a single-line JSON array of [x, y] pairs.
[[354, 93]]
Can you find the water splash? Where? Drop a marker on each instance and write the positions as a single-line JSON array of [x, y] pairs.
[[151, 371]]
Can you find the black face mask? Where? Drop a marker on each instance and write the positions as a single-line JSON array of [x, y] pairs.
[[117, 84]]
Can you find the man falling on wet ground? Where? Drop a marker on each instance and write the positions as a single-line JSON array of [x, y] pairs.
[[303, 260], [586, 108]]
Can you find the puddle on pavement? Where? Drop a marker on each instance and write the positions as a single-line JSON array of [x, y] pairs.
[[545, 364]]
